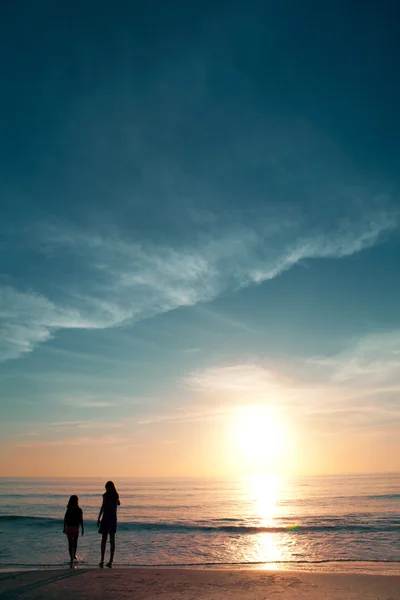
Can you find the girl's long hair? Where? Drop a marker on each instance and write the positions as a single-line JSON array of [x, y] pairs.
[[111, 490], [73, 501]]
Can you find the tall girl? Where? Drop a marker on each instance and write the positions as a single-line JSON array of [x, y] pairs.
[[107, 521]]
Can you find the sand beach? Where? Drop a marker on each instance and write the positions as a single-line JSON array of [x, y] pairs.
[[185, 584]]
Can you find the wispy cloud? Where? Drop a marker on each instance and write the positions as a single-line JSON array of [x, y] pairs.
[[127, 282], [356, 389], [144, 169], [88, 401], [73, 441], [233, 378], [345, 241], [28, 318], [183, 414], [371, 363]]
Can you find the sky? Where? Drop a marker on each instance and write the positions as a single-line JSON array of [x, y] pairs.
[[199, 238]]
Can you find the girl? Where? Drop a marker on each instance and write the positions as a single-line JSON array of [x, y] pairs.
[[72, 521], [108, 524]]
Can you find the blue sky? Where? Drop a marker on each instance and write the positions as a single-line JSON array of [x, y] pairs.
[[200, 209]]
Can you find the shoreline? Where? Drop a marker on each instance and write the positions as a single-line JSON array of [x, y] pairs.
[[202, 584], [335, 566]]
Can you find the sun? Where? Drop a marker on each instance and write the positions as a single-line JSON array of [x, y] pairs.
[[261, 436]]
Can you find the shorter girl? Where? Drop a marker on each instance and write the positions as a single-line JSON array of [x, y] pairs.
[[72, 521]]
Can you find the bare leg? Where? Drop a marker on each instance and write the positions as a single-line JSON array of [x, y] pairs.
[[103, 548], [112, 549], [71, 549], [75, 546]]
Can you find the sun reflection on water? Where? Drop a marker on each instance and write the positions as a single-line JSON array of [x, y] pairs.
[[263, 489], [269, 547]]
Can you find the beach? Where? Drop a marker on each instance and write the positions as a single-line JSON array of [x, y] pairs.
[[185, 584], [332, 538]]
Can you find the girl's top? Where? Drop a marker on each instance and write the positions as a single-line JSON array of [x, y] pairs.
[[73, 517]]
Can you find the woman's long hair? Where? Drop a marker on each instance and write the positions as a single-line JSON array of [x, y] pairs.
[[73, 501], [111, 490]]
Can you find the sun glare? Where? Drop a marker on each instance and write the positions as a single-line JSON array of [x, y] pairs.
[[261, 436]]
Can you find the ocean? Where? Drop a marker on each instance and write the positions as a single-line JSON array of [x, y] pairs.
[[266, 521]]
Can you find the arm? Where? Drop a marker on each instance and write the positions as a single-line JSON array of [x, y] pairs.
[[82, 525], [100, 513], [65, 521], [119, 503]]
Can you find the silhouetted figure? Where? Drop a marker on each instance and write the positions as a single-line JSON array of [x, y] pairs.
[[73, 519], [108, 524]]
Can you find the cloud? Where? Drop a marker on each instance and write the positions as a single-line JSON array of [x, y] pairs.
[[73, 441], [28, 319], [87, 402], [232, 378], [371, 363], [356, 389], [127, 281], [80, 424], [183, 414], [345, 241], [182, 188]]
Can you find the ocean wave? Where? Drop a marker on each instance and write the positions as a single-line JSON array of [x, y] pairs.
[[87, 564], [384, 497], [47, 495], [231, 529], [284, 502]]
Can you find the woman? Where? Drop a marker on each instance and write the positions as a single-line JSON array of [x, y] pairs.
[[108, 524]]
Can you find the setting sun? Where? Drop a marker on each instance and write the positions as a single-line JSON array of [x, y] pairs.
[[261, 435]]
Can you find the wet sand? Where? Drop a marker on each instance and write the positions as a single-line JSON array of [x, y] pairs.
[[184, 584]]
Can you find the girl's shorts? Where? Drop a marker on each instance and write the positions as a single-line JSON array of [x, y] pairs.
[[72, 531]]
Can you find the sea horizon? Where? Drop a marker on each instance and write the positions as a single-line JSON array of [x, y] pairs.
[[217, 477]]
